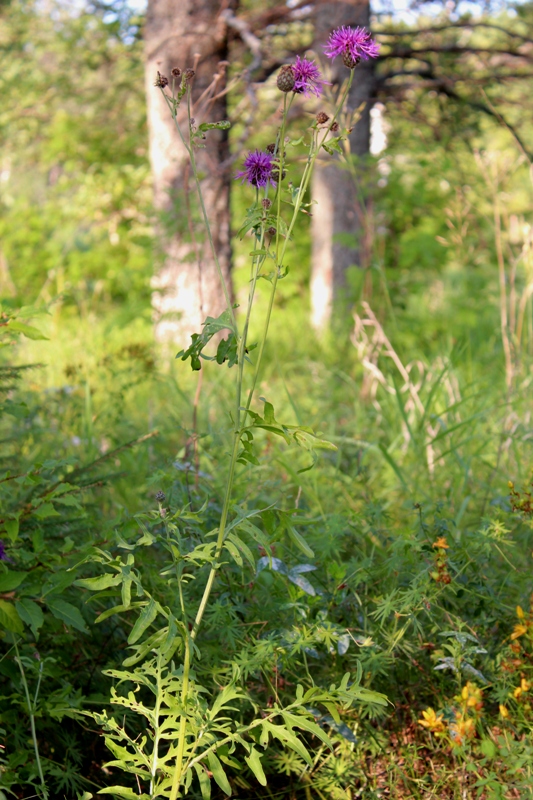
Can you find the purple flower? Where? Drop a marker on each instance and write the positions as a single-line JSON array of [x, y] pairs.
[[3, 554], [356, 41], [307, 78], [257, 169]]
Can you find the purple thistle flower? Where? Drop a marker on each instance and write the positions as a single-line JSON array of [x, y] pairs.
[[356, 41], [257, 169], [307, 77]]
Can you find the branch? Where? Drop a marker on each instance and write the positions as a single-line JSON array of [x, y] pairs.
[[411, 52], [249, 38], [453, 25]]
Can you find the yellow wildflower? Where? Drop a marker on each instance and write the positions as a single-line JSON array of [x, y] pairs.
[[519, 630], [441, 543], [431, 721], [504, 711], [471, 695], [519, 612], [461, 730]]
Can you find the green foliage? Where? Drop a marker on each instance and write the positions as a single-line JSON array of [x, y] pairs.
[[393, 569]]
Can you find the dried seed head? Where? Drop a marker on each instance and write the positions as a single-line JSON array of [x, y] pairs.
[[266, 203], [335, 127], [176, 72], [286, 79], [271, 231], [161, 81], [350, 60], [188, 75], [322, 118], [275, 174]]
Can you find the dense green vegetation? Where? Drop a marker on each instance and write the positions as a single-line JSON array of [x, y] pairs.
[[420, 552]]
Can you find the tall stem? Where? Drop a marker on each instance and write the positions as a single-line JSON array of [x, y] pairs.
[[31, 707], [299, 200], [190, 150]]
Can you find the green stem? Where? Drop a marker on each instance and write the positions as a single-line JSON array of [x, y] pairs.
[[179, 769], [279, 258], [32, 720], [157, 709], [178, 772], [221, 531]]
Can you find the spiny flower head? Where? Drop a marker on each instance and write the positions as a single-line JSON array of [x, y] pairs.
[[307, 77], [357, 43], [257, 169]]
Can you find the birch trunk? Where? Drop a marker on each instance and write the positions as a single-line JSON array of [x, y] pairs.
[[188, 34], [339, 231]]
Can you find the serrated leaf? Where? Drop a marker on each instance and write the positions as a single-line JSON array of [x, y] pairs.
[[9, 618], [46, 510], [99, 583], [218, 773], [67, 613], [27, 330], [144, 620], [31, 613], [12, 529], [10, 580], [254, 762]]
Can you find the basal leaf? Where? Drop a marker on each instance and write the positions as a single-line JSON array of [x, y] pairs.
[[31, 613]]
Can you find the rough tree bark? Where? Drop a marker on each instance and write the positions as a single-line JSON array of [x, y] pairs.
[[340, 214], [188, 34]]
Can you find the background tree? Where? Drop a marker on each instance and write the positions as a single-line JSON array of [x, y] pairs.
[[188, 34], [339, 229]]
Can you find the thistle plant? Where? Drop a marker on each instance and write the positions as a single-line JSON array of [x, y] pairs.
[[191, 731]]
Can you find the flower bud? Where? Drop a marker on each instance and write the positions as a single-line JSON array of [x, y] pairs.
[[161, 81], [286, 79], [322, 118]]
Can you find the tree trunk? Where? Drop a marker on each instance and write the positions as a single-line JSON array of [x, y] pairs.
[[338, 227], [188, 34]]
